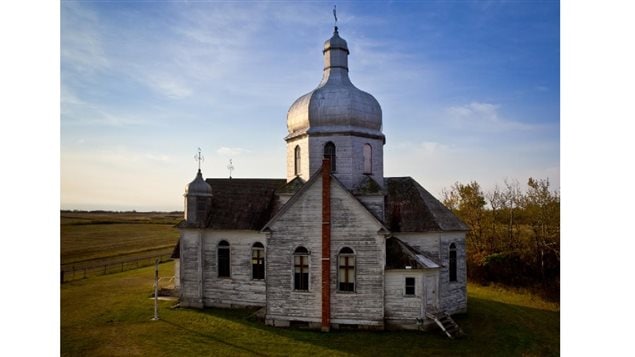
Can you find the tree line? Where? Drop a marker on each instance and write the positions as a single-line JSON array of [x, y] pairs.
[[514, 236]]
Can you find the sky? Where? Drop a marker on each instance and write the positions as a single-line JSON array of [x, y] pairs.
[[469, 91]]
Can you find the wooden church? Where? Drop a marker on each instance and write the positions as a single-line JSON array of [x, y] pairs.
[[335, 244]]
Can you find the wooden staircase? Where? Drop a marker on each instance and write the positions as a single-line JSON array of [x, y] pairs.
[[445, 322]]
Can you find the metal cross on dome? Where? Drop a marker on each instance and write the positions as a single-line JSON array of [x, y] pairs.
[[198, 157], [230, 167], [335, 13]]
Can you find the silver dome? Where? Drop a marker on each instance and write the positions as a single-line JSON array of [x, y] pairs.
[[198, 186], [336, 105]]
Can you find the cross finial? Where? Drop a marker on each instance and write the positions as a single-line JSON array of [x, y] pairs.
[[335, 15], [230, 167], [198, 157]]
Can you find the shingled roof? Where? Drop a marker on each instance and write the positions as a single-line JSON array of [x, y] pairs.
[[241, 203], [410, 208], [251, 203]]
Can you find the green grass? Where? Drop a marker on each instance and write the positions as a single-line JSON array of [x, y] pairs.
[[86, 236], [110, 316]]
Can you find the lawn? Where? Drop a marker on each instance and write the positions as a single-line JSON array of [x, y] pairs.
[[110, 316]]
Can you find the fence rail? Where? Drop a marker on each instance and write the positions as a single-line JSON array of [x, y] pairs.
[[70, 272]]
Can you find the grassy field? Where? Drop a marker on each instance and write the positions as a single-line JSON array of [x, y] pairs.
[[90, 236], [110, 316]]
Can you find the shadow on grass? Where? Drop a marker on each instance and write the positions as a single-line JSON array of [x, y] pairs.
[[492, 328], [211, 337]]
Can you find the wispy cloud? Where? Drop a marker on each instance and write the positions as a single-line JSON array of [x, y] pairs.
[[484, 117], [231, 152], [81, 40]]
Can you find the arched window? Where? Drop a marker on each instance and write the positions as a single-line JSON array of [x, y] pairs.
[[368, 159], [452, 262], [329, 153], [346, 275], [257, 261], [223, 259], [301, 269], [296, 162]]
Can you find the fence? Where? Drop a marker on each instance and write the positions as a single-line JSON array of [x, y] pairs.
[[83, 270]]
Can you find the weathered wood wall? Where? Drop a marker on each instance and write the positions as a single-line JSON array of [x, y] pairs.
[[400, 308], [352, 226], [349, 156], [452, 295], [204, 286]]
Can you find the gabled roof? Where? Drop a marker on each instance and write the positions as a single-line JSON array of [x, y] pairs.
[[400, 255], [306, 186], [410, 208], [241, 203]]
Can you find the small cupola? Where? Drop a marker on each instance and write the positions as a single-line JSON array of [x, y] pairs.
[[198, 200]]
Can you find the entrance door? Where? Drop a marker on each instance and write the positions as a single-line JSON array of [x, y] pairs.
[[430, 287]]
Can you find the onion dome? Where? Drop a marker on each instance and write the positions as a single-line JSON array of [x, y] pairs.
[[336, 105], [198, 186]]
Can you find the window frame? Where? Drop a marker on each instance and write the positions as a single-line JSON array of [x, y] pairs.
[[260, 248], [223, 247], [347, 252], [452, 263], [304, 254]]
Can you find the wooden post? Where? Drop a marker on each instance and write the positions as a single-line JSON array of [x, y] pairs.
[[326, 245], [156, 290]]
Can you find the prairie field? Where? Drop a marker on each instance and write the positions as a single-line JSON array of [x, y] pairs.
[[87, 236]]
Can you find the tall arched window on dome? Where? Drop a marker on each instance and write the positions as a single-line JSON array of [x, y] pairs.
[[296, 161], [223, 259], [346, 270], [368, 159], [329, 153], [452, 262]]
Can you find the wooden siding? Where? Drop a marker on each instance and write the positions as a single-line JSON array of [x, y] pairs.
[[352, 226], [398, 305], [205, 286], [452, 296]]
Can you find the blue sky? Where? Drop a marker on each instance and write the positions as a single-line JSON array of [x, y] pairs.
[[469, 91]]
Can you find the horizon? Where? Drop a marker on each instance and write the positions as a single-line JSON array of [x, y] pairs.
[[469, 92]]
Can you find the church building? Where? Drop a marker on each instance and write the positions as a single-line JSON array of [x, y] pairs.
[[335, 244]]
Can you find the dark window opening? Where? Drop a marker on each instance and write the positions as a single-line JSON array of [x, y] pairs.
[[301, 269], [258, 261], [346, 276], [329, 153], [297, 160], [410, 286], [452, 262], [223, 259]]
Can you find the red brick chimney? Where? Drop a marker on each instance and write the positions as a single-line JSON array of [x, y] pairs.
[[326, 245]]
